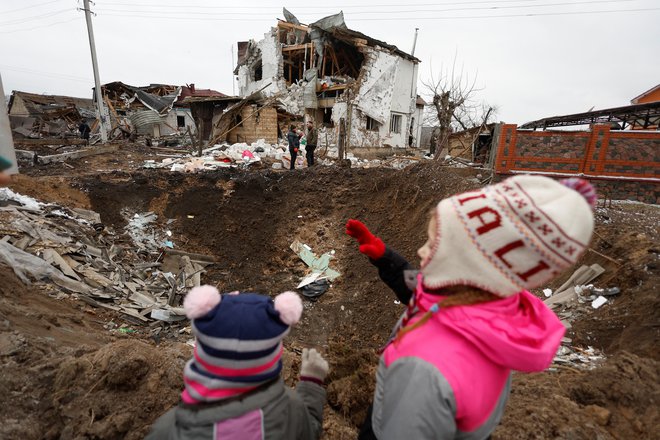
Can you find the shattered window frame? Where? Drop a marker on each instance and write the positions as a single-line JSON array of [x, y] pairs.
[[372, 124], [257, 70], [181, 121], [396, 120]]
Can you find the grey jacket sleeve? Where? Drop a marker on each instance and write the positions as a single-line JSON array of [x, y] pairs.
[[417, 403], [164, 427], [313, 397]]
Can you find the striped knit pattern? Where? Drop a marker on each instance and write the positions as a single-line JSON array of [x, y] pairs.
[[238, 348]]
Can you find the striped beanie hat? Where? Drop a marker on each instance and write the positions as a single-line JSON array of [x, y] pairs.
[[512, 236], [238, 341]]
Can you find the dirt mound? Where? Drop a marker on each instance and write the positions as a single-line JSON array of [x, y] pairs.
[[58, 380], [618, 400], [54, 189], [116, 392], [629, 234]]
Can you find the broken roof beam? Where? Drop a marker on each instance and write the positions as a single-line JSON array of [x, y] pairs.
[[637, 112], [297, 47], [285, 25]]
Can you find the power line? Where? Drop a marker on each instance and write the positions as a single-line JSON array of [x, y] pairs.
[[28, 7], [464, 17], [39, 27], [34, 17], [46, 74], [371, 12], [531, 14], [160, 5]]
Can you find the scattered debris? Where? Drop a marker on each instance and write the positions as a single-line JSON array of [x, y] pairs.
[[318, 265], [577, 357], [566, 292], [598, 302], [130, 273], [315, 289]]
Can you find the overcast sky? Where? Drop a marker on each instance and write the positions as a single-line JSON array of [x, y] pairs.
[[530, 66]]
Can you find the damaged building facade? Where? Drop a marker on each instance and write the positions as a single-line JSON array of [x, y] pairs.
[[362, 92], [156, 110], [34, 116]]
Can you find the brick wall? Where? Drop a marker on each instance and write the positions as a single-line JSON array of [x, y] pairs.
[[257, 124], [626, 164]]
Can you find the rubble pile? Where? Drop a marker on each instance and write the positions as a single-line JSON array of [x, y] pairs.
[[135, 272], [571, 301]]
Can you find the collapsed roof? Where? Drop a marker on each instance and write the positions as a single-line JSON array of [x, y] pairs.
[[51, 107], [157, 97], [640, 116]]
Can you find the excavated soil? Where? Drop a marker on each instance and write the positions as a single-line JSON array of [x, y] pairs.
[[106, 386]]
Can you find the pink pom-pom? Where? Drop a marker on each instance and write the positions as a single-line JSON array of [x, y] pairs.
[[585, 188], [290, 307], [201, 300]]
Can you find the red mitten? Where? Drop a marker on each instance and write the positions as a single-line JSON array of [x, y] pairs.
[[370, 245]]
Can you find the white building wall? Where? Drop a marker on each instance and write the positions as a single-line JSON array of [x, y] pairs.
[[271, 59]]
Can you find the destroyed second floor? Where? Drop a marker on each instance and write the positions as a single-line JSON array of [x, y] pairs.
[[326, 59]]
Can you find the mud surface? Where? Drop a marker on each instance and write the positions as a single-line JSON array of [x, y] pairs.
[[81, 387]]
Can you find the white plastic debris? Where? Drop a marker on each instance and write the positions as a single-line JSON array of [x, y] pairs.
[[547, 293], [26, 201], [599, 302]]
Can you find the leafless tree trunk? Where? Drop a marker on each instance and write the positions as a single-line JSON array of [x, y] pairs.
[[452, 105]]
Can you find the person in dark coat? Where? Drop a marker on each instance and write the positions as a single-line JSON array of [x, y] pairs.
[[312, 138], [294, 144], [84, 130]]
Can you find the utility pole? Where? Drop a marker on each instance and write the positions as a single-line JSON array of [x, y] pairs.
[[97, 82], [233, 78], [412, 52]]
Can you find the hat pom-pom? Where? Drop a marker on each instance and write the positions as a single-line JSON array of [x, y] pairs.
[[585, 188], [201, 300], [290, 307]]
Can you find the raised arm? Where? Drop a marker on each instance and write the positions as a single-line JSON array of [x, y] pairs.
[[391, 266]]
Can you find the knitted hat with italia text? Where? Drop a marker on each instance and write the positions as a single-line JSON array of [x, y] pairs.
[[512, 236], [238, 343]]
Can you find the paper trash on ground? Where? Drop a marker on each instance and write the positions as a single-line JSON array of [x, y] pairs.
[[317, 264]]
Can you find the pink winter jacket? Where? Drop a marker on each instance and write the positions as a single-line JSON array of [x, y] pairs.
[[450, 377]]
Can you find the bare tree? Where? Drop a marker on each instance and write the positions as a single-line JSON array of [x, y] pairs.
[[453, 105]]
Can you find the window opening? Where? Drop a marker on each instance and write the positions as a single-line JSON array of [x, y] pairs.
[[395, 123], [372, 124]]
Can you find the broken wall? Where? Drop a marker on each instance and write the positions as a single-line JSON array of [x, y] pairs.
[[268, 52], [388, 87], [256, 123]]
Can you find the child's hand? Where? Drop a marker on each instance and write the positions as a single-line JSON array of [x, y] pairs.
[[313, 365], [370, 245]]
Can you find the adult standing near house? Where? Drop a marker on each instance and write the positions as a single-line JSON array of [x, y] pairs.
[[312, 138], [84, 129], [294, 144]]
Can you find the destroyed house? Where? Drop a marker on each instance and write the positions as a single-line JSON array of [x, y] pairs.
[[351, 85], [155, 110], [33, 116]]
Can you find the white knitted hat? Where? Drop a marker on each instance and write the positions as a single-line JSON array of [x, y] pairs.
[[512, 236]]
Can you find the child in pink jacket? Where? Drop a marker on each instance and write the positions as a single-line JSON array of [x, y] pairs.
[[470, 320]]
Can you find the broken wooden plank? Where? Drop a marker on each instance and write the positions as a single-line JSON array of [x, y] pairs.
[[192, 256], [51, 256], [77, 154]]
